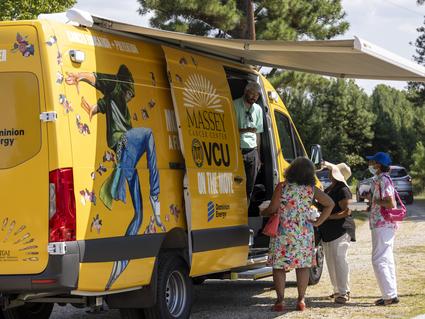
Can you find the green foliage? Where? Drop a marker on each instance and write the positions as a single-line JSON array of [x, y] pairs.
[[30, 9], [418, 167], [334, 113], [275, 19], [394, 127]]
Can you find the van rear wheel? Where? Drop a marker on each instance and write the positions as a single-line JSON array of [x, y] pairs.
[[174, 289], [30, 311]]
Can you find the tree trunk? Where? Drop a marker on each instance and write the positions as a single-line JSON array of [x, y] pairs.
[[250, 19]]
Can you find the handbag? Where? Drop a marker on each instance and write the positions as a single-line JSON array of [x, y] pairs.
[[393, 214], [272, 225]]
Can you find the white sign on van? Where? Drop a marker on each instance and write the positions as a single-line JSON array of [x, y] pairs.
[[3, 57]]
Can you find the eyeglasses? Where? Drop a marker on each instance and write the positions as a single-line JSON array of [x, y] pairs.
[[249, 116]]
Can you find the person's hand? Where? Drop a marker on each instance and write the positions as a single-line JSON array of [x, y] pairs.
[[87, 107], [316, 224], [72, 79]]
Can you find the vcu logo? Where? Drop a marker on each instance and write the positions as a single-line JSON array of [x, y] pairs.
[[197, 153]]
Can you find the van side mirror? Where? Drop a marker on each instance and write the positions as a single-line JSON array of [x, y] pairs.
[[316, 155]]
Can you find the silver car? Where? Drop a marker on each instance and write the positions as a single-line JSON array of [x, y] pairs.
[[402, 183]]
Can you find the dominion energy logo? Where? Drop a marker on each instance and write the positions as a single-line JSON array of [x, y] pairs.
[[197, 153]]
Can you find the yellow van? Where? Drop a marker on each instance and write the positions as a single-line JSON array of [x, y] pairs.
[[122, 179]]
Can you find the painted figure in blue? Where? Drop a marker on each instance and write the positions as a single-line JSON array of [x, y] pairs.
[[129, 145]]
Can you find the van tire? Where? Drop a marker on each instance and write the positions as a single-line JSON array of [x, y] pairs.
[[30, 311], [173, 281], [316, 271]]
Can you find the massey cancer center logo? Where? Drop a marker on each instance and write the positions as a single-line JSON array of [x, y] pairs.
[[200, 92]]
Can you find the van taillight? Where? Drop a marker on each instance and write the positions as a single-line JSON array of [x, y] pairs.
[[62, 223]]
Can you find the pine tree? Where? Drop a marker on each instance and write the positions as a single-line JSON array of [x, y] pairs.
[[30, 9], [275, 19]]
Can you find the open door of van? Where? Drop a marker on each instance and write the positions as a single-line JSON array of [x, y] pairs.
[[215, 196]]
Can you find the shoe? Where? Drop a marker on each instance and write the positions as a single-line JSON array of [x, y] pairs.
[[156, 208], [301, 306], [387, 302], [278, 307], [342, 299], [333, 296]]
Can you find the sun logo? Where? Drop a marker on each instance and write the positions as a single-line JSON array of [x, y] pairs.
[[200, 92], [17, 242]]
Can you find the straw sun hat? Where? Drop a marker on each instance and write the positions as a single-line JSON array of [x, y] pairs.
[[340, 172]]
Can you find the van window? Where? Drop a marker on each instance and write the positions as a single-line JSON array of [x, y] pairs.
[[285, 136], [298, 146], [20, 134]]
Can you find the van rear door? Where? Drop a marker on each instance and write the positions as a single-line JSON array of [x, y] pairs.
[[216, 205], [24, 176]]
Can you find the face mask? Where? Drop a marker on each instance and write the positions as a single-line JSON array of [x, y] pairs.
[[372, 170]]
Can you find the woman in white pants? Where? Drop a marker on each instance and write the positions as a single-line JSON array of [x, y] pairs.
[[383, 232], [338, 231]]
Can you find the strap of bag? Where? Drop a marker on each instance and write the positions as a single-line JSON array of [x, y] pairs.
[[397, 196]]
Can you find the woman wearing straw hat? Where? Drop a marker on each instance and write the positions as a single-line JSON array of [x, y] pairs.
[[337, 232]]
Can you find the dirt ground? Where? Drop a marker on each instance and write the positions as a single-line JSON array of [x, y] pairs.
[[249, 299]]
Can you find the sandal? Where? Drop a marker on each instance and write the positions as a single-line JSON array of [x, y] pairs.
[[301, 306], [387, 302], [333, 296], [278, 307], [342, 299]]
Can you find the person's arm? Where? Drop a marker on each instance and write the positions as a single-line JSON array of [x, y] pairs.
[[345, 211], [74, 78], [248, 130], [327, 203], [90, 109], [386, 202], [274, 203]]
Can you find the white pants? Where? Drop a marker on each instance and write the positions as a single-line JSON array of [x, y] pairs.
[[383, 261], [336, 252]]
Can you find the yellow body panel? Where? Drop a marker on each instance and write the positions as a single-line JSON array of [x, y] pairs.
[[24, 209], [94, 275], [218, 260]]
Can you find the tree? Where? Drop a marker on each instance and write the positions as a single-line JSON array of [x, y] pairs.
[[394, 128], [418, 167], [30, 9], [334, 113], [275, 19]]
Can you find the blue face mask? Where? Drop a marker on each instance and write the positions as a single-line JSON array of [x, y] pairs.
[[372, 170]]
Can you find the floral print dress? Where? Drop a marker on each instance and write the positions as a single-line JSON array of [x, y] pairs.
[[293, 247]]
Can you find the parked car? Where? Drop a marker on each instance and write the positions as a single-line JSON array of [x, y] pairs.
[[323, 176], [402, 183]]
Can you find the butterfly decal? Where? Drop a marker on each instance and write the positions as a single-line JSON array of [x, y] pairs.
[[82, 127], [23, 46]]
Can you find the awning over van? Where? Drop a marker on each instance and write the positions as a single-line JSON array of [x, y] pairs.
[[355, 58]]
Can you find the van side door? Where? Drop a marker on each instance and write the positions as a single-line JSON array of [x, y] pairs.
[[288, 143], [216, 204]]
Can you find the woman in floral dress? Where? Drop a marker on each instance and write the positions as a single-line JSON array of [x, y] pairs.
[[293, 247]]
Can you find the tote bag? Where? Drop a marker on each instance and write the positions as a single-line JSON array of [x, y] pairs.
[[395, 214]]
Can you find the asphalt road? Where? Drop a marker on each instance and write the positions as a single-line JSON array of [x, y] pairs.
[[241, 299]]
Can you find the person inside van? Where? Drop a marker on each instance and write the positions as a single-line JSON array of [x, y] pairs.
[[249, 116], [129, 145]]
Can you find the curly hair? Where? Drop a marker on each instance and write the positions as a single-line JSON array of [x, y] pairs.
[[301, 172]]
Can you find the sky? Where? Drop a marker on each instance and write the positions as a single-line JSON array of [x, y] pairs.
[[390, 24]]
